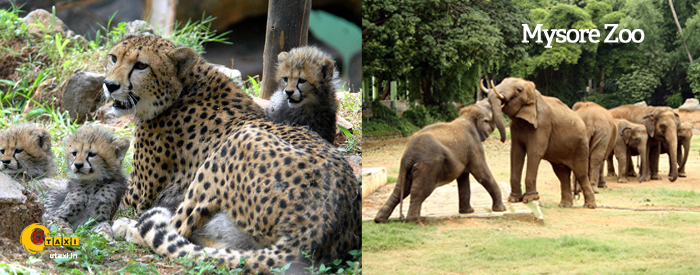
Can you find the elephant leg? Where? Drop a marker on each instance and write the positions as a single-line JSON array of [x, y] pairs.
[[517, 160], [580, 169], [564, 175], [611, 166], [485, 178], [394, 199], [597, 158], [630, 166], [654, 153], [602, 183], [424, 185], [533, 163], [622, 164], [464, 194]]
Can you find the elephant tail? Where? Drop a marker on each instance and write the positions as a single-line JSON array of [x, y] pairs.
[[401, 190]]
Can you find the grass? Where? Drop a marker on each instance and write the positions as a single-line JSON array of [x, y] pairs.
[[50, 63], [434, 250], [657, 195]]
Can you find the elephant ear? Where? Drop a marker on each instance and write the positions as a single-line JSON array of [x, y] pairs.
[[649, 121], [528, 111], [626, 134]]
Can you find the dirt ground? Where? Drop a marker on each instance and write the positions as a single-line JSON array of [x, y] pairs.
[[388, 154]]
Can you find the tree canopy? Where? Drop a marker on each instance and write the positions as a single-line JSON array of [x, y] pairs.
[[439, 49]]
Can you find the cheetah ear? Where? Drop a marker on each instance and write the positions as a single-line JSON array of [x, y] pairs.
[[184, 59], [122, 146], [327, 68], [282, 56], [43, 138]]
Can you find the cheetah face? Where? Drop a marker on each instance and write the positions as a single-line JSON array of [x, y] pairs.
[[298, 92], [22, 149], [84, 163], [92, 153], [145, 75]]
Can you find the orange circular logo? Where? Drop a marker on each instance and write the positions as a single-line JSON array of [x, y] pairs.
[[33, 237]]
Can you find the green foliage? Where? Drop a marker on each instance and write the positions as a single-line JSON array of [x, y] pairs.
[[422, 115], [196, 34], [442, 46], [385, 121], [638, 85], [694, 78], [419, 115]]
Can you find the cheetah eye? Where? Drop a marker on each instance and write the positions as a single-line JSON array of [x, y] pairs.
[[140, 66], [91, 155], [113, 58], [74, 153], [18, 150], [302, 81], [285, 79]]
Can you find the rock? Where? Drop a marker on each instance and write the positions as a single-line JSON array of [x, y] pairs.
[[231, 73], [690, 104], [138, 27], [83, 95], [19, 207], [10, 190], [641, 103], [45, 19], [106, 115]]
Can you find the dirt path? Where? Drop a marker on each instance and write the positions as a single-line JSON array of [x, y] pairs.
[[388, 154]]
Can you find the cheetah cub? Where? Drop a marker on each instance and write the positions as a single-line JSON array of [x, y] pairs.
[[26, 152], [94, 159], [309, 82]]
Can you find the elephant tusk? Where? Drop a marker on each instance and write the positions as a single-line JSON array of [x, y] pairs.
[[482, 86], [500, 96]]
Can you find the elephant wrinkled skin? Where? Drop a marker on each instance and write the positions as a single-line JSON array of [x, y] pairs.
[[542, 127], [602, 135], [441, 153], [662, 125], [685, 134], [631, 141]]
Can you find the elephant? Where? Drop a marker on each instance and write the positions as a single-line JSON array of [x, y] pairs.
[[685, 134], [602, 135], [443, 152], [662, 125], [631, 141], [542, 127]]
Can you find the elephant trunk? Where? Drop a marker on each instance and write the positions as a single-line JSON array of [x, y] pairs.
[[671, 136], [495, 102], [644, 171], [683, 155]]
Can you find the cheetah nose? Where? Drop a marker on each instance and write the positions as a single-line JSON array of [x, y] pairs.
[[6, 161], [112, 86], [78, 165], [289, 92]]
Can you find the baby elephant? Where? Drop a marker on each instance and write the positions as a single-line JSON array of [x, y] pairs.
[[441, 153]]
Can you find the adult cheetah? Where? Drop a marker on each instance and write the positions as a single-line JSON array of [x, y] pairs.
[[203, 147]]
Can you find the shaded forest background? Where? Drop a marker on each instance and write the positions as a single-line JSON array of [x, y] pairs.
[[436, 51]]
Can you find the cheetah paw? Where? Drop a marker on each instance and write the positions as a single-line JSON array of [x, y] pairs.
[[125, 229], [105, 230]]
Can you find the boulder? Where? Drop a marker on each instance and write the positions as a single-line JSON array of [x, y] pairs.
[[82, 95], [19, 208], [138, 27], [641, 103], [39, 24], [690, 104]]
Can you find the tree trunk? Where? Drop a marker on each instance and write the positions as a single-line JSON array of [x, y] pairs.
[[680, 30], [160, 14], [287, 28], [602, 81]]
